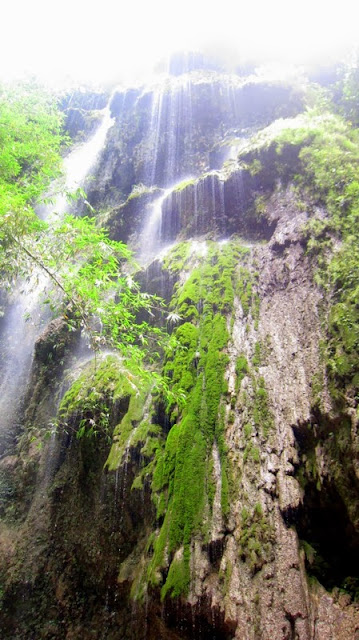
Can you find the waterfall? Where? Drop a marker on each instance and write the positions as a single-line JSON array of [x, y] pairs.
[[180, 111], [152, 237], [26, 317], [155, 123]]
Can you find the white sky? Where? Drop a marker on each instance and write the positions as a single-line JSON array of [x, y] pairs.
[[106, 41]]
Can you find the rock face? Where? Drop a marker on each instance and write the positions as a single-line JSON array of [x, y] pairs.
[[166, 132], [82, 112], [230, 511]]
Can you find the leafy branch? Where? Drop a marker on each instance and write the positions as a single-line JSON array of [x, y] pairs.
[[97, 290]]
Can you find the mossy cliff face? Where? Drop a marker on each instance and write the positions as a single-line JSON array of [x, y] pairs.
[[228, 508]]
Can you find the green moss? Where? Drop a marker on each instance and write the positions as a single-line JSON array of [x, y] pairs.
[[104, 390], [256, 538], [158, 560], [247, 430], [211, 484], [178, 578], [244, 516], [177, 258], [127, 432], [317, 386], [86, 406], [257, 357], [255, 310], [251, 453], [309, 551], [139, 190], [262, 415], [241, 370], [184, 184], [147, 436], [183, 480], [228, 575], [255, 167], [244, 289]]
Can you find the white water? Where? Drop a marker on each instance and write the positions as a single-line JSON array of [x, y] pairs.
[[151, 244], [25, 317], [150, 241], [171, 118], [174, 119], [156, 114], [77, 165]]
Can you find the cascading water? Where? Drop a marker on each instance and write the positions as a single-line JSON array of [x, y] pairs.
[[156, 112], [174, 146], [152, 240], [169, 131], [26, 316]]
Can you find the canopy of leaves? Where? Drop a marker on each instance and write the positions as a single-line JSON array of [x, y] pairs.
[[30, 143], [90, 281]]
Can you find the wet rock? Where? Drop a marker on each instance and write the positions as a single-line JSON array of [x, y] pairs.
[[79, 121], [127, 219], [54, 341]]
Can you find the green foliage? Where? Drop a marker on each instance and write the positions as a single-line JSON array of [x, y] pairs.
[[256, 537], [30, 144], [30, 139], [98, 291], [87, 278], [89, 282], [349, 98], [184, 184], [195, 365], [262, 415], [257, 356], [241, 370], [87, 406]]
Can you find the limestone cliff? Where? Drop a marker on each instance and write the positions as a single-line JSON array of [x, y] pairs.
[[230, 510]]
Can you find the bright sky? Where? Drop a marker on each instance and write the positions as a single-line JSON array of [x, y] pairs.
[[112, 40]]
